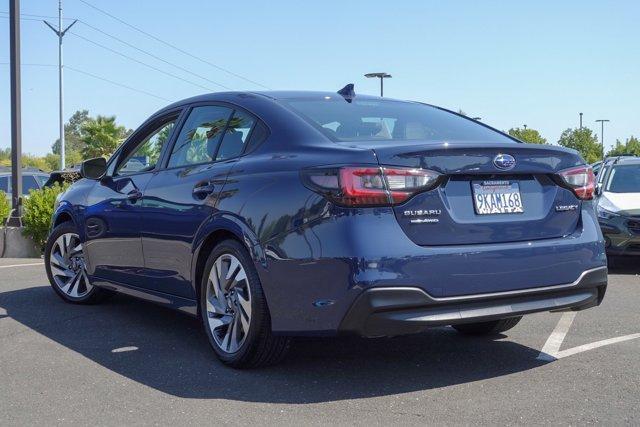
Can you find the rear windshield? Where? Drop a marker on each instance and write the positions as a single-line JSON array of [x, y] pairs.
[[624, 179], [386, 120]]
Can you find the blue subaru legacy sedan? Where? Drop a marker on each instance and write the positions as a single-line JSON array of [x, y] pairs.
[[279, 214]]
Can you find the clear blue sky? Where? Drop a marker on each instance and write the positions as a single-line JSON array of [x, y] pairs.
[[511, 63]]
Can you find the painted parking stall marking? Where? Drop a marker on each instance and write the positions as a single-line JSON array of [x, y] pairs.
[[551, 349]]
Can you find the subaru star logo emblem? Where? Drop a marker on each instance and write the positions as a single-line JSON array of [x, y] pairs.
[[504, 161]]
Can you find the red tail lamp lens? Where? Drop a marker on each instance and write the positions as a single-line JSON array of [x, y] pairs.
[[371, 185]]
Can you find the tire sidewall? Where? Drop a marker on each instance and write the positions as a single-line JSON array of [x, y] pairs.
[[258, 315]]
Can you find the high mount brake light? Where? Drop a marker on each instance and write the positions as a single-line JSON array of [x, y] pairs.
[[370, 185], [581, 180]]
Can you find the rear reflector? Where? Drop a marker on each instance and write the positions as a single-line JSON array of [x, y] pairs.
[[581, 181], [369, 185]]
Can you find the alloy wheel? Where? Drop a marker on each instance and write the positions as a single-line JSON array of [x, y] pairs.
[[228, 303], [66, 261]]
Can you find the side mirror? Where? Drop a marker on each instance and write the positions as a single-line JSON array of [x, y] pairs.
[[94, 168], [598, 189]]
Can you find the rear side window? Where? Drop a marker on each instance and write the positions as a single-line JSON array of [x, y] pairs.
[[4, 184], [29, 183], [389, 121], [200, 136], [236, 136], [258, 134]]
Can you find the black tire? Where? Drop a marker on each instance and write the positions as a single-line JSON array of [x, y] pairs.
[[92, 296], [260, 346], [487, 328]]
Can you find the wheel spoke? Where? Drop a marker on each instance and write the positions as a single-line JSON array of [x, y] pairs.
[[214, 278], [61, 271], [61, 245], [76, 250], [226, 342], [215, 322], [214, 304], [237, 278], [235, 338], [75, 285], [57, 260], [244, 311], [66, 287]]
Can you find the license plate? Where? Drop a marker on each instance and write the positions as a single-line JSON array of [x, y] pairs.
[[497, 197]]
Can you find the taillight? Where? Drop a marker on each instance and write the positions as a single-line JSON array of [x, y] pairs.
[[581, 180], [369, 185]]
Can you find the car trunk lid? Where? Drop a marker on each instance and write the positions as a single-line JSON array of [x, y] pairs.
[[479, 202]]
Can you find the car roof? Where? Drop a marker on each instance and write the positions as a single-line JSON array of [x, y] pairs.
[[277, 95], [627, 160]]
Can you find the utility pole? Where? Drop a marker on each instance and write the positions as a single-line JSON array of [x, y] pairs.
[[580, 120], [381, 76], [60, 33], [15, 218], [602, 121]]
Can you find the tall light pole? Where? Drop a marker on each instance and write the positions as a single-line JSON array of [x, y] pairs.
[[524, 126], [60, 33], [602, 121], [380, 76], [16, 122], [580, 120]]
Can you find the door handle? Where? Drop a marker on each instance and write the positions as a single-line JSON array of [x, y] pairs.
[[134, 195], [203, 189]]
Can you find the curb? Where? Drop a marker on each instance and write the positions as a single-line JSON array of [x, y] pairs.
[[15, 245]]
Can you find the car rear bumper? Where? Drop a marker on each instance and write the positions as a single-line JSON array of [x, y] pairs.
[[397, 311], [313, 276]]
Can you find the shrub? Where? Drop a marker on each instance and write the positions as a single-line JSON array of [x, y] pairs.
[[5, 208], [38, 209]]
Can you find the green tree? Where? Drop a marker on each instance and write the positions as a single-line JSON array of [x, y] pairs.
[[101, 136], [584, 141], [73, 133], [631, 146], [529, 135], [5, 156]]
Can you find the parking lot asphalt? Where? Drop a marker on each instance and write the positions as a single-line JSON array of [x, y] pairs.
[[130, 362]]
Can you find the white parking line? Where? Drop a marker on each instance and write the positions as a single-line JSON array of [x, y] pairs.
[[22, 265], [551, 349], [552, 346]]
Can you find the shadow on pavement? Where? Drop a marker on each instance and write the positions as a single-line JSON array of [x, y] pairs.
[[173, 354], [625, 265]]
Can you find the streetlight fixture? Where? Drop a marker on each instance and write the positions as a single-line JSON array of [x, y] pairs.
[[602, 121], [380, 76]]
